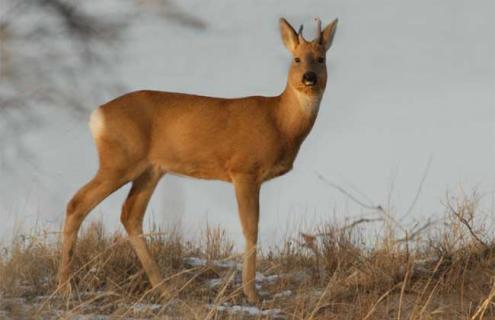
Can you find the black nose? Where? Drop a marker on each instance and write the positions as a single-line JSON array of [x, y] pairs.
[[309, 78]]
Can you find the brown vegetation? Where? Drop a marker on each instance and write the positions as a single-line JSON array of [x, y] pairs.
[[446, 271]]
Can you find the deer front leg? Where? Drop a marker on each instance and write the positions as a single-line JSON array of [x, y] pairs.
[[247, 194]]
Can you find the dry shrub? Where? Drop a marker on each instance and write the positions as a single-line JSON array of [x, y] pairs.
[[218, 245], [446, 272], [27, 266]]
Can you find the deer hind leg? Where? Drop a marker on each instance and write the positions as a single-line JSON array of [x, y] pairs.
[[90, 195], [247, 194], [132, 218]]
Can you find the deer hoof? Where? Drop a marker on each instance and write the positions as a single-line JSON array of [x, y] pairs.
[[252, 297]]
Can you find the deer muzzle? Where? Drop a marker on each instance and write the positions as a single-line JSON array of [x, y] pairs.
[[309, 78]]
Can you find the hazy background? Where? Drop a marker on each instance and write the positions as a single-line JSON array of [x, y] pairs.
[[410, 94]]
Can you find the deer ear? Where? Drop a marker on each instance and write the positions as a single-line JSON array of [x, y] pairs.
[[289, 36], [328, 33]]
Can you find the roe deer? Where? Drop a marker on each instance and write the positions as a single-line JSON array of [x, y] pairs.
[[142, 135]]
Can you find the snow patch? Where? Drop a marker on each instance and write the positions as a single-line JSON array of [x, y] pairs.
[[145, 307], [270, 279], [283, 294], [249, 310], [224, 264]]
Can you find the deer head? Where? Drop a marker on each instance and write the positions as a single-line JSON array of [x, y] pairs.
[[308, 71]]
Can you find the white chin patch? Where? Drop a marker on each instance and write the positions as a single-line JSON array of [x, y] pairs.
[[308, 103]]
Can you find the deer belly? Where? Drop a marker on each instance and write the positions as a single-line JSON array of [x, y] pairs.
[[199, 172], [276, 171], [200, 166]]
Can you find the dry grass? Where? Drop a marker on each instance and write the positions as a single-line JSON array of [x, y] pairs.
[[444, 270]]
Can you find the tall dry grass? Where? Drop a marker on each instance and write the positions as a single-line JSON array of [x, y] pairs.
[[442, 270]]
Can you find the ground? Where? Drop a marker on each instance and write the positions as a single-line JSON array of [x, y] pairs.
[[441, 271]]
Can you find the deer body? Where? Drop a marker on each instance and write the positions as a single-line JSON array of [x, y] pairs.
[[204, 137], [143, 135]]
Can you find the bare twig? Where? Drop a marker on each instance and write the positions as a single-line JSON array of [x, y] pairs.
[[468, 225], [360, 221], [416, 230], [420, 187], [368, 205]]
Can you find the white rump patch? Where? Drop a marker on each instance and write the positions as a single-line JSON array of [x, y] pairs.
[[97, 123]]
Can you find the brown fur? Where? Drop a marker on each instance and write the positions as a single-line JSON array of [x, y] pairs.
[[142, 135]]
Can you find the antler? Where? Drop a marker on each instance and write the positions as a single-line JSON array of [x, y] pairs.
[[318, 29], [299, 33]]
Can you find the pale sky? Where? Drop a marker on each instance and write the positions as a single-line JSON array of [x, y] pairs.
[[408, 82]]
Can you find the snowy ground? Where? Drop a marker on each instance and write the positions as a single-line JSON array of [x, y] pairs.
[[13, 308]]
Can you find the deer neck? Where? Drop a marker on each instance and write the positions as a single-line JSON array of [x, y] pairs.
[[296, 113]]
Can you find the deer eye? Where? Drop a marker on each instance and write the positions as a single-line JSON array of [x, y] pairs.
[[321, 60], [297, 60]]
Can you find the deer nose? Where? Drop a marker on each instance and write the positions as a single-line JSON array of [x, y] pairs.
[[309, 78]]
